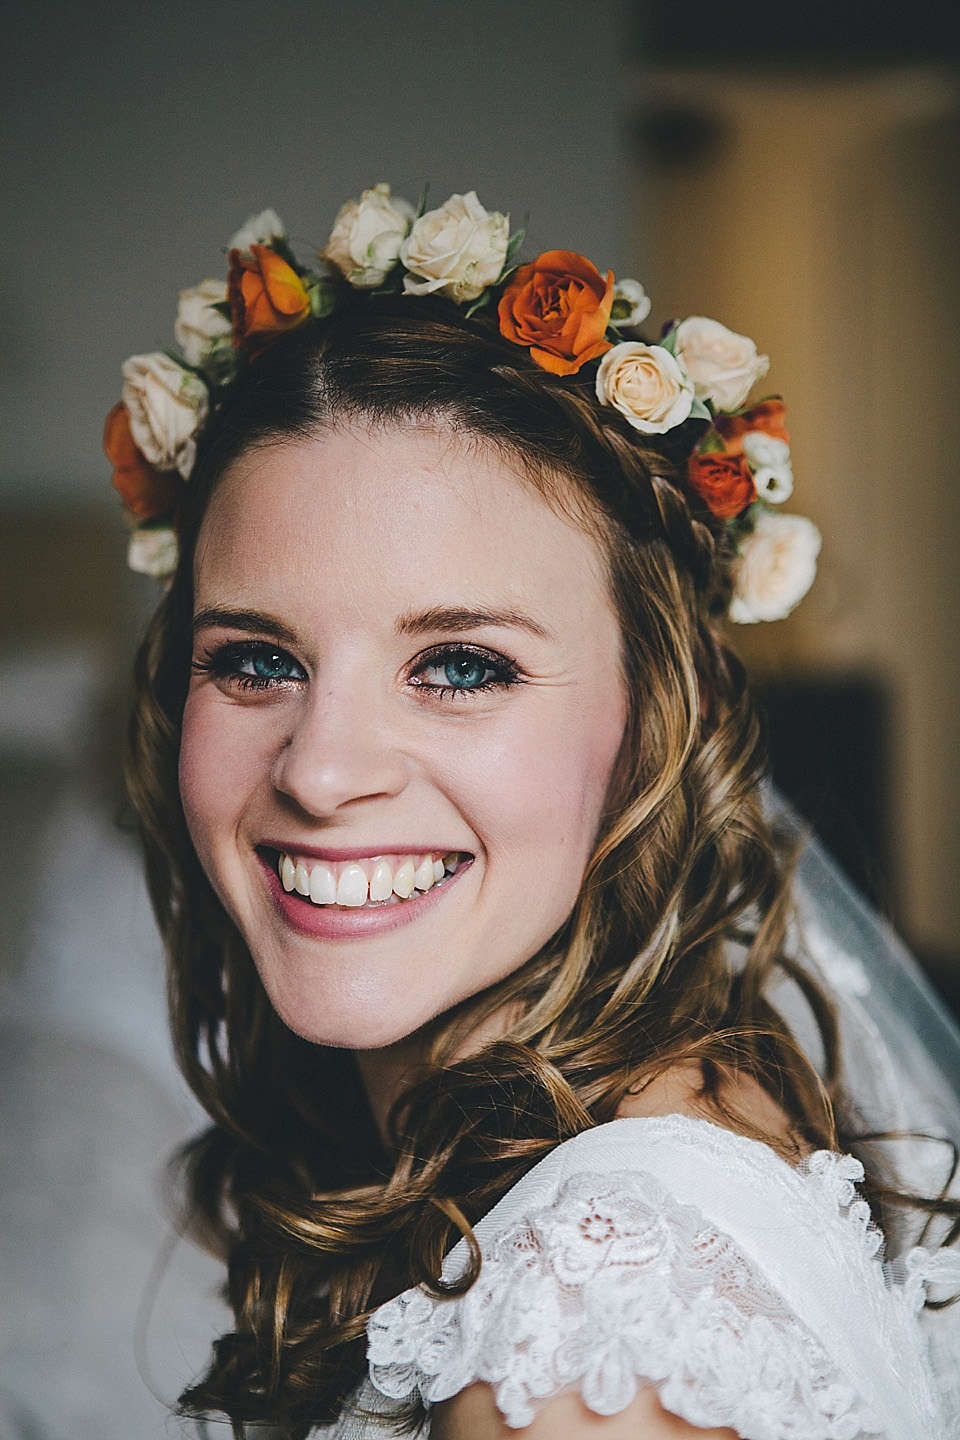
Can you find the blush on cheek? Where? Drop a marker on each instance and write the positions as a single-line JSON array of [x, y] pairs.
[[571, 775], [190, 765], [206, 782], [540, 796]]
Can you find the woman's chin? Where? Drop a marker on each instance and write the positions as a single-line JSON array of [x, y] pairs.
[[347, 1025]]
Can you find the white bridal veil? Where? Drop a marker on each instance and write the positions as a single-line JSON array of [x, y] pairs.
[[900, 1064], [900, 1047]]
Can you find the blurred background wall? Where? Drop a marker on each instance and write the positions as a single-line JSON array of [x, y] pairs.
[[796, 173], [792, 171]]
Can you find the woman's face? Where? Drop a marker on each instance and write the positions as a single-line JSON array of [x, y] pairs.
[[406, 667]]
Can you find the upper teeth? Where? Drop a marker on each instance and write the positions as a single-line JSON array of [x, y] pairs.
[[355, 882]]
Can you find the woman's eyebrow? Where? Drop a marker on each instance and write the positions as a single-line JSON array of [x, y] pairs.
[[248, 620], [454, 617]]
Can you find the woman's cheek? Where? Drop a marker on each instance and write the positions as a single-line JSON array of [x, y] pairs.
[[194, 766], [538, 785], [214, 771]]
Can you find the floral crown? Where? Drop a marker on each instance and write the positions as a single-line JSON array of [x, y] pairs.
[[560, 308]]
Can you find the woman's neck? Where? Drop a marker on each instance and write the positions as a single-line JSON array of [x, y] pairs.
[[387, 1072]]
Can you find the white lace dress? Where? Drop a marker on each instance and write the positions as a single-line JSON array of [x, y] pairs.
[[671, 1253]]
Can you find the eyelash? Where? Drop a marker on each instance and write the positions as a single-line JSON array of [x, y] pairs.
[[504, 672], [224, 664]]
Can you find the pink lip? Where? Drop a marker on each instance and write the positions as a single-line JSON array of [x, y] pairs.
[[328, 922], [352, 852]]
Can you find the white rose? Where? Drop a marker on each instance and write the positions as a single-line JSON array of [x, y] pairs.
[[647, 385], [763, 449], [631, 303], [153, 551], [722, 365], [258, 230], [197, 324], [457, 250], [365, 242], [775, 568], [774, 483], [769, 459], [167, 405]]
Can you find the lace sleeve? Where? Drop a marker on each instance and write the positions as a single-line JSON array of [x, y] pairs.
[[611, 1285]]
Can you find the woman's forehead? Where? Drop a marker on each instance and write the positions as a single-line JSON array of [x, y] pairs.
[[394, 515]]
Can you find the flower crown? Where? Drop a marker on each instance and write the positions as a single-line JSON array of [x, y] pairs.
[[560, 308]]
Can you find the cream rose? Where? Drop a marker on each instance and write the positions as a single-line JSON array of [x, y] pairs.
[[258, 230], [769, 459], [776, 566], [197, 324], [631, 304], [153, 551], [647, 385], [167, 405], [457, 250], [723, 366], [365, 241]]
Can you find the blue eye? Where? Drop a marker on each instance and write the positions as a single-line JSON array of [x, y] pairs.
[[465, 672], [251, 665], [269, 665]]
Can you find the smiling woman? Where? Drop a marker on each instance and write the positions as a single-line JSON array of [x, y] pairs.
[[450, 793]]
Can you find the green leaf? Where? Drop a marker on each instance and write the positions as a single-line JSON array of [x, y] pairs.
[[699, 411], [323, 298], [668, 342], [504, 276], [220, 361], [516, 240], [711, 443], [422, 202], [482, 299], [185, 365]]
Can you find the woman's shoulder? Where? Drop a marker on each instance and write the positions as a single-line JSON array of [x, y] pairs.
[[666, 1252], [737, 1102]]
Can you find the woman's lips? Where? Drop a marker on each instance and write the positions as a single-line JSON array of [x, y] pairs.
[[338, 922]]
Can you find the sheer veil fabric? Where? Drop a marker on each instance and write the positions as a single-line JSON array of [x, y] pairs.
[[668, 1251], [900, 1053]]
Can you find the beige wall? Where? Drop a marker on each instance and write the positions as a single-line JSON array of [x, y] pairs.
[[824, 222]]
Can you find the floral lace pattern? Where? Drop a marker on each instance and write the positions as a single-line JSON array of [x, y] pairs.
[[607, 1287], [610, 1282]]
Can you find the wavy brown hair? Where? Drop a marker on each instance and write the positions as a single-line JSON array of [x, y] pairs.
[[317, 1218]]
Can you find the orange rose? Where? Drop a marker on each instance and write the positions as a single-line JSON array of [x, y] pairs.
[[560, 307], [723, 481], [266, 296], [146, 492], [768, 416]]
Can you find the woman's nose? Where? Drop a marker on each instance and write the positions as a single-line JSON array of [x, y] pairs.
[[341, 750]]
